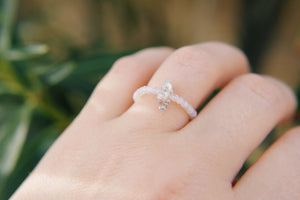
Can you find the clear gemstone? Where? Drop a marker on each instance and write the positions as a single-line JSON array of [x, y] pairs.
[[167, 87], [164, 95], [160, 96]]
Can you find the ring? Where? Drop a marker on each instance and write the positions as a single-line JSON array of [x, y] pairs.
[[165, 95]]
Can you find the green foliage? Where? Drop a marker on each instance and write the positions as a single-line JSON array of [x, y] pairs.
[[38, 99]]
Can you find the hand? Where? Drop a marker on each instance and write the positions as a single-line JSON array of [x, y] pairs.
[[119, 150]]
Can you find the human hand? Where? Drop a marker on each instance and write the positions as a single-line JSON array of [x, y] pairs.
[[119, 150]]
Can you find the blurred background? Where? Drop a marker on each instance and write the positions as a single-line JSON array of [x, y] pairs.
[[52, 54]]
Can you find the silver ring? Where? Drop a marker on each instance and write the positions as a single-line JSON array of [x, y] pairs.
[[165, 95]]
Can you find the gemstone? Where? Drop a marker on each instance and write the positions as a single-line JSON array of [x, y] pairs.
[[167, 87], [160, 96], [164, 95]]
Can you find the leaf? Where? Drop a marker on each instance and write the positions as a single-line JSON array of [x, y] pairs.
[[34, 149], [9, 9], [24, 53], [12, 138], [3, 89], [89, 71], [59, 73]]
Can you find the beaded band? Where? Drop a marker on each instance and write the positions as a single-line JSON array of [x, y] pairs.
[[165, 95]]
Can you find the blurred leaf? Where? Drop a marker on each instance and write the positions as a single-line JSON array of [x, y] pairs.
[[6, 110], [59, 73], [41, 69], [12, 138], [10, 78], [3, 88], [8, 99], [34, 149], [88, 72], [9, 8], [27, 52]]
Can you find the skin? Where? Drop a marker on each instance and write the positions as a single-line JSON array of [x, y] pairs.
[[117, 149]]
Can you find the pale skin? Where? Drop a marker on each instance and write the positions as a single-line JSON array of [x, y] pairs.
[[119, 150]]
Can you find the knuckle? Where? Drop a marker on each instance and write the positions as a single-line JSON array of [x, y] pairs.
[[261, 88], [190, 54], [220, 54], [226, 47], [198, 59], [125, 63]]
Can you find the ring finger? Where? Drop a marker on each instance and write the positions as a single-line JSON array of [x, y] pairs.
[[195, 71]]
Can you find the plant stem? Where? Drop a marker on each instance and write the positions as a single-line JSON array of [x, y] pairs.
[[9, 9]]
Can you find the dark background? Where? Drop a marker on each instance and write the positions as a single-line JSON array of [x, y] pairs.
[[53, 52]]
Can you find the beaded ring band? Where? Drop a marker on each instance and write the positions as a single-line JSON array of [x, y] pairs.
[[165, 95]]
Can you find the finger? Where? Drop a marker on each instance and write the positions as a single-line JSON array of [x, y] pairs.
[[113, 95], [195, 71], [236, 121], [276, 175]]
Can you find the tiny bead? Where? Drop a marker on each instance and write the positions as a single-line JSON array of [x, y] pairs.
[[193, 115], [174, 98], [148, 90], [190, 110], [185, 105], [180, 100], [155, 90]]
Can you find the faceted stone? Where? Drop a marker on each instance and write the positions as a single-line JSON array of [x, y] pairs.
[[164, 95], [160, 96], [167, 86]]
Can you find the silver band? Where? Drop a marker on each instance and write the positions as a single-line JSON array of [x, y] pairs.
[[165, 95]]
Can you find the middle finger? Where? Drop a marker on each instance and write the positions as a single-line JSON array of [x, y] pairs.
[[236, 121]]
